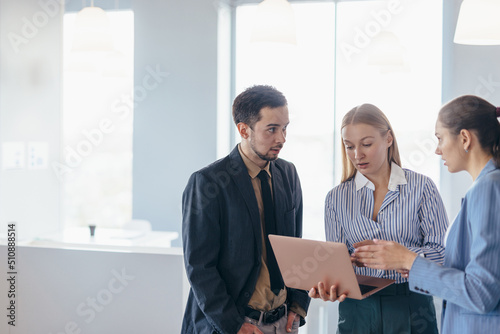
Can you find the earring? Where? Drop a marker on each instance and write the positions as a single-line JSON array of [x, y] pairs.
[[466, 151]]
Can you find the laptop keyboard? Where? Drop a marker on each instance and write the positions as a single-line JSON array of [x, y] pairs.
[[366, 288]]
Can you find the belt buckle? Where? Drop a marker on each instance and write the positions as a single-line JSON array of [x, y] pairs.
[[269, 318], [273, 315]]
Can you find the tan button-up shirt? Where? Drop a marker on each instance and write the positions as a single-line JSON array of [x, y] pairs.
[[263, 298]]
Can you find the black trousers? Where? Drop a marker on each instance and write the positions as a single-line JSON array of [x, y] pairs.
[[394, 310]]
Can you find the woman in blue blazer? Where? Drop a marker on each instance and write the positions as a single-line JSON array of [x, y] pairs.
[[468, 132]]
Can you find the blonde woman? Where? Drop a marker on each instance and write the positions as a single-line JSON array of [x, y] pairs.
[[378, 199]]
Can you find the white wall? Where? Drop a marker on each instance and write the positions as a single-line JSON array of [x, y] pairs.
[[175, 126], [30, 111]]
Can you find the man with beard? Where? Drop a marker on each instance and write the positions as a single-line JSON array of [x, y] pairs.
[[229, 208]]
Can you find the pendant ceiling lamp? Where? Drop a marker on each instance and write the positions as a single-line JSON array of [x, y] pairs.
[[478, 23], [275, 22], [387, 53], [92, 31]]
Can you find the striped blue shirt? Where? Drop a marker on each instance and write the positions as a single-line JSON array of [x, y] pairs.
[[412, 214]]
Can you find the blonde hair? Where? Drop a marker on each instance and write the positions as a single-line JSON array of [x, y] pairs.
[[370, 115]]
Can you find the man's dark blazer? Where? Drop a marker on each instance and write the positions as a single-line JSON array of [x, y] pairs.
[[221, 232]]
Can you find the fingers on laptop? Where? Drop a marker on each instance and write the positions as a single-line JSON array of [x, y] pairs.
[[326, 294], [355, 262]]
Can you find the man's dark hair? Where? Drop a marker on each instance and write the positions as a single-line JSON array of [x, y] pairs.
[[247, 105]]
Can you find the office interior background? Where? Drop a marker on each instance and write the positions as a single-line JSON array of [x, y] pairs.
[[109, 136]]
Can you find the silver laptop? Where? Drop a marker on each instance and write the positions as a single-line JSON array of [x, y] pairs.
[[303, 263]]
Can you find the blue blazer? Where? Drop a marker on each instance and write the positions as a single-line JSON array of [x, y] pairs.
[[469, 281], [221, 233]]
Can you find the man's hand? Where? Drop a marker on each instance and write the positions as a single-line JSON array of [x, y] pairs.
[[385, 255], [321, 292], [252, 329], [249, 329], [292, 316]]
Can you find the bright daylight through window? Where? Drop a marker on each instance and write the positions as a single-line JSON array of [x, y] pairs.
[[96, 166], [357, 52]]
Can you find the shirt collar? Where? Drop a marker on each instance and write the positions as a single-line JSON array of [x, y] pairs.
[[253, 169], [397, 177]]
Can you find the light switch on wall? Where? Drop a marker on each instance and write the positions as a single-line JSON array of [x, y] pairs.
[[13, 155], [38, 155]]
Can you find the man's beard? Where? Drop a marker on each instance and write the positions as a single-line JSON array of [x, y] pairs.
[[262, 156]]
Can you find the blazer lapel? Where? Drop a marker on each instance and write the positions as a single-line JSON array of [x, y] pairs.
[[244, 184]]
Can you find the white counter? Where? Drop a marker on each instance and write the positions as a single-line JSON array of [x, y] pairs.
[[108, 239], [116, 282]]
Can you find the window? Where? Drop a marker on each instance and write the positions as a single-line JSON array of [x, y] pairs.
[[349, 53], [387, 57], [96, 166], [305, 75]]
